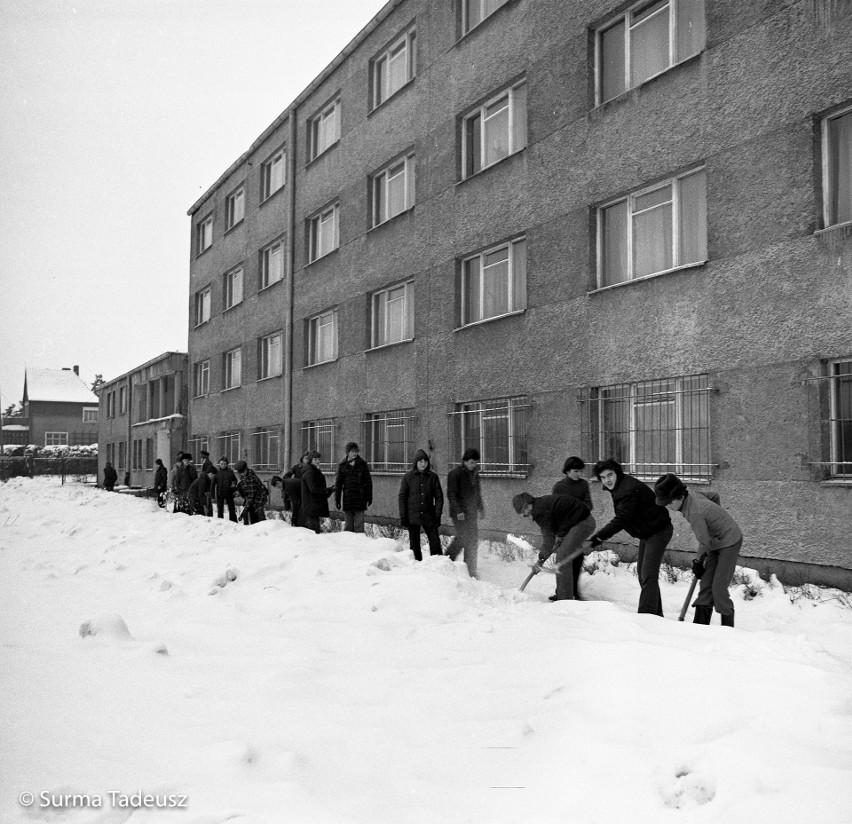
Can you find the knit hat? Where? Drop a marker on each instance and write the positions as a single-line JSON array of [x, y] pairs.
[[520, 501], [668, 487]]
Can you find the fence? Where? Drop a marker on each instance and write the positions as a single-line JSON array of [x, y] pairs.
[[71, 468]]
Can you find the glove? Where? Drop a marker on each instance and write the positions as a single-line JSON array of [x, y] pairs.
[[698, 567], [538, 566]]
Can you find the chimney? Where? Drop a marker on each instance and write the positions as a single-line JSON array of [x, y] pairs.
[[77, 371]]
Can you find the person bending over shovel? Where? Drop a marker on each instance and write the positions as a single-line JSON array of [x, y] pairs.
[[565, 523]]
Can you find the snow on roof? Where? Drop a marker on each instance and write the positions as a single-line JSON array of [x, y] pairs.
[[57, 385]]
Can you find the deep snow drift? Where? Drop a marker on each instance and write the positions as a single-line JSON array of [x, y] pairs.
[[267, 674]]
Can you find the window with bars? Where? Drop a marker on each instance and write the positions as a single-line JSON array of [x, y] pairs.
[[498, 428], [271, 264], [392, 315], [392, 190], [653, 230], [232, 288], [324, 129], [319, 435], [323, 233], [229, 446], [393, 68], [494, 130], [387, 438], [265, 449], [273, 174], [835, 404], [645, 41], [494, 282], [651, 427], [197, 443]]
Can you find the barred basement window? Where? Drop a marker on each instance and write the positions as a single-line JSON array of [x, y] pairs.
[[651, 427], [835, 403], [197, 443], [387, 438], [265, 449], [318, 435], [498, 429], [229, 446]]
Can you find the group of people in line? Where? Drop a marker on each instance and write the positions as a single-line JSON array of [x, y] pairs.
[[569, 531]]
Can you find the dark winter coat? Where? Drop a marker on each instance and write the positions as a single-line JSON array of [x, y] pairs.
[[421, 499], [293, 482], [578, 489], [199, 488], [161, 478], [354, 485], [208, 466], [555, 515], [110, 476], [225, 483], [315, 493], [464, 492], [636, 511], [184, 477]]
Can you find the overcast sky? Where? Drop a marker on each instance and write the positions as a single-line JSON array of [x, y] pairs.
[[116, 116]]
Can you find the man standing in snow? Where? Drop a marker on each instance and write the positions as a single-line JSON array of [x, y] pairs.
[[421, 502], [353, 487], [557, 516], [638, 514], [292, 487], [254, 492], [223, 488], [110, 477], [206, 468], [199, 493], [465, 497], [184, 476], [315, 493], [719, 544]]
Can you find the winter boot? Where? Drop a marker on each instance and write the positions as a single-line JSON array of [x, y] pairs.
[[703, 615], [728, 620]]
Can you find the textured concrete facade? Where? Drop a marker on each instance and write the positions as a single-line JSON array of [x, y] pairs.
[[760, 318]]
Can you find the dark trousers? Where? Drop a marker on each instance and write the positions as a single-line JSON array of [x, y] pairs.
[[220, 505], [313, 522], [651, 552], [719, 568], [431, 535], [296, 516], [466, 540], [567, 579], [254, 514], [354, 520]]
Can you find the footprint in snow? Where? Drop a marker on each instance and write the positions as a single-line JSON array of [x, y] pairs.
[[687, 790]]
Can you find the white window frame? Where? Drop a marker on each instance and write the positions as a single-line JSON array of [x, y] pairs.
[[56, 439], [204, 234], [484, 8], [202, 305], [235, 208], [631, 213], [270, 271], [319, 435], [273, 173], [632, 26], [201, 378], [122, 401], [90, 414], [376, 437], [475, 149], [232, 288], [229, 446], [270, 362], [514, 411], [385, 84], [323, 232], [831, 177], [381, 326], [316, 327], [266, 449], [232, 368], [380, 189], [836, 421], [324, 129], [516, 286]]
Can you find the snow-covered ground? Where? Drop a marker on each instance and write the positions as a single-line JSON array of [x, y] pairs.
[[267, 674]]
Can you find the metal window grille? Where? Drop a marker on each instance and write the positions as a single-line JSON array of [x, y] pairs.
[[229, 446], [196, 444], [388, 440], [319, 435], [835, 403], [651, 427], [498, 429], [265, 449]]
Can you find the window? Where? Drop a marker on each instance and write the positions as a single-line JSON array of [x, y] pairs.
[[273, 174], [204, 234], [653, 230], [388, 440], [232, 288], [235, 208], [393, 315], [110, 453], [649, 39], [110, 404], [229, 446], [122, 455], [265, 449], [90, 414], [196, 444], [269, 360], [475, 11], [232, 369], [202, 306], [201, 379], [392, 190], [393, 68], [324, 130], [149, 453], [319, 435], [498, 429], [136, 461], [495, 130], [56, 439], [323, 234], [651, 427], [271, 264], [322, 338], [837, 168], [839, 423], [122, 400], [494, 282]]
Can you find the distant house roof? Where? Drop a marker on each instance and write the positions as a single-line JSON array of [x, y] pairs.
[[60, 385]]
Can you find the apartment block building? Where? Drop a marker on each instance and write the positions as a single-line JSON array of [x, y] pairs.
[[548, 228], [143, 417]]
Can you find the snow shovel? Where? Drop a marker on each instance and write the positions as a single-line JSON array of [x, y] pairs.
[[685, 607], [536, 568]]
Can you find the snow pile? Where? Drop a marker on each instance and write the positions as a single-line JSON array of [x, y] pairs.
[[334, 679]]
